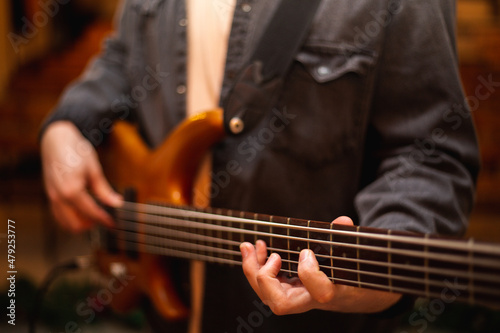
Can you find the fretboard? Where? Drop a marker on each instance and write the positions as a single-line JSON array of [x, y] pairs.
[[402, 262]]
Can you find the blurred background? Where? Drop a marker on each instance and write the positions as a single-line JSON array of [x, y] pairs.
[[39, 56]]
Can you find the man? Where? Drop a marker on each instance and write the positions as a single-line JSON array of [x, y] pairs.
[[371, 123]]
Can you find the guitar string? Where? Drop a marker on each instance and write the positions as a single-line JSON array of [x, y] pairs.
[[169, 221], [392, 265], [409, 267], [130, 237], [479, 299], [167, 211]]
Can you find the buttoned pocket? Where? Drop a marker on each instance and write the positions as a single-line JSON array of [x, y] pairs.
[[327, 96]]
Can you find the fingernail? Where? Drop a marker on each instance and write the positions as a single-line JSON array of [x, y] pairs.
[[244, 250], [304, 255]]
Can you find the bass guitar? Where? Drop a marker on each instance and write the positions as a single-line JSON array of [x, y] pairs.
[[161, 222]]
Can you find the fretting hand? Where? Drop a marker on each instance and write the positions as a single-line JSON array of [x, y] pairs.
[[311, 290]]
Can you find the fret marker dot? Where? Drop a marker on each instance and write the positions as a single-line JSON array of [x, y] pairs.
[[298, 248]]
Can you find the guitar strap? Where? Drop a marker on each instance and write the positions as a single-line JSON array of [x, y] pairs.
[[257, 87]]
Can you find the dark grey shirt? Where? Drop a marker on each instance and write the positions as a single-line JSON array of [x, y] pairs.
[[372, 121]]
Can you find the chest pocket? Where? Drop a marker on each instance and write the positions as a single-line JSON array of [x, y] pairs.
[[328, 93], [146, 7]]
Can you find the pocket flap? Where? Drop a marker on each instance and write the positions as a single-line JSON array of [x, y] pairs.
[[325, 66], [146, 7]]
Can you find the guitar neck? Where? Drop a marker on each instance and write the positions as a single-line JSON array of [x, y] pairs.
[[402, 262]]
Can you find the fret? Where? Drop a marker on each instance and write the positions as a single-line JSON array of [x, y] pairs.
[[288, 245], [256, 218], [426, 268], [229, 235], [196, 230], [389, 260], [219, 223], [332, 273], [470, 257], [478, 281], [322, 249], [341, 250], [242, 238], [247, 227], [208, 233], [271, 234], [263, 230], [403, 260], [368, 260], [308, 234], [297, 241], [463, 266], [357, 256]]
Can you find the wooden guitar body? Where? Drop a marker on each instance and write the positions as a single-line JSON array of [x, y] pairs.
[[165, 174]]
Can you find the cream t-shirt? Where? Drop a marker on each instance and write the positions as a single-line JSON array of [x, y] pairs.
[[209, 25]]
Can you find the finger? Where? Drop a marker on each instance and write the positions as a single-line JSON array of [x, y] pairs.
[[282, 297], [250, 264], [69, 219], [314, 280], [86, 206], [261, 249], [344, 220], [101, 187], [268, 283]]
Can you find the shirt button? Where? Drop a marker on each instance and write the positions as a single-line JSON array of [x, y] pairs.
[[183, 22], [323, 70], [236, 125], [246, 7], [181, 89]]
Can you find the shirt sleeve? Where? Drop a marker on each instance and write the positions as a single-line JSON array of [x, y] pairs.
[[422, 151], [95, 99]]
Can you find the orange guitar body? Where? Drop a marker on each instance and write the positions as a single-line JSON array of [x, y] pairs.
[[166, 174]]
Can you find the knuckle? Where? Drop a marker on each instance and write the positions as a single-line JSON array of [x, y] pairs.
[[304, 274], [325, 297], [67, 193], [261, 277], [279, 308], [246, 269]]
